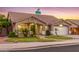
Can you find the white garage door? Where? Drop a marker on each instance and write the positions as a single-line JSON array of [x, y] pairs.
[[60, 30]]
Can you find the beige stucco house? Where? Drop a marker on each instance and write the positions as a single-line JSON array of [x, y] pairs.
[[25, 21], [43, 23]]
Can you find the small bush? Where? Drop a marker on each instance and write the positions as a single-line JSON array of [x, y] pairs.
[[47, 32], [12, 34]]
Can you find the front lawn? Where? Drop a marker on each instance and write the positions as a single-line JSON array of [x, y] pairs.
[[31, 39], [51, 38], [59, 37]]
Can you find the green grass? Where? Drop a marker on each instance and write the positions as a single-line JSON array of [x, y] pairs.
[[51, 38], [59, 37], [31, 39]]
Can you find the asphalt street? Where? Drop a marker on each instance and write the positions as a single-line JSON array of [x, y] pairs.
[[72, 48]]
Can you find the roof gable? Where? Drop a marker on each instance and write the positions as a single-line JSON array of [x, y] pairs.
[[63, 22], [73, 22], [16, 17], [32, 19]]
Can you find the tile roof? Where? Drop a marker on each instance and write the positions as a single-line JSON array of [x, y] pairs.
[[49, 20], [16, 17], [63, 22], [73, 22]]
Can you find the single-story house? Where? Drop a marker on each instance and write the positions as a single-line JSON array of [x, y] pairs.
[[42, 23], [26, 21]]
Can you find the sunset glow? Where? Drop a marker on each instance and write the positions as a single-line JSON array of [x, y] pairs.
[[59, 12]]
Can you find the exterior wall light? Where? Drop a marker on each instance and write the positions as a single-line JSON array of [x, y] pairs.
[[60, 25]]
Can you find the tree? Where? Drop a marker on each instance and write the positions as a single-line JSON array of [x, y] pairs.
[[4, 23]]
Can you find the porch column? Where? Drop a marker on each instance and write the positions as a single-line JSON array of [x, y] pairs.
[[14, 26], [43, 30], [28, 26], [36, 28], [40, 29]]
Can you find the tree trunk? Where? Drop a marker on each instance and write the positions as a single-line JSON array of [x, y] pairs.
[[7, 30]]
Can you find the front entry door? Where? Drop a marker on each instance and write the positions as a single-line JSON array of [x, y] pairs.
[[36, 28]]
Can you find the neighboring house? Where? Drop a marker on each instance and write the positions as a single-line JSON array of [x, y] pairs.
[[42, 23], [74, 28], [67, 27]]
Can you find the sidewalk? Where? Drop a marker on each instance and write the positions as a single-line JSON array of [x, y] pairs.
[[35, 45]]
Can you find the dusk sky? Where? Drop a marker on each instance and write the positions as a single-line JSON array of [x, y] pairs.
[[59, 12]]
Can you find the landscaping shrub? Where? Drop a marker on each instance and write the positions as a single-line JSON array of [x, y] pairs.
[[12, 34], [47, 32]]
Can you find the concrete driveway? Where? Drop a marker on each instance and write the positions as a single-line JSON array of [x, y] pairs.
[[74, 36]]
